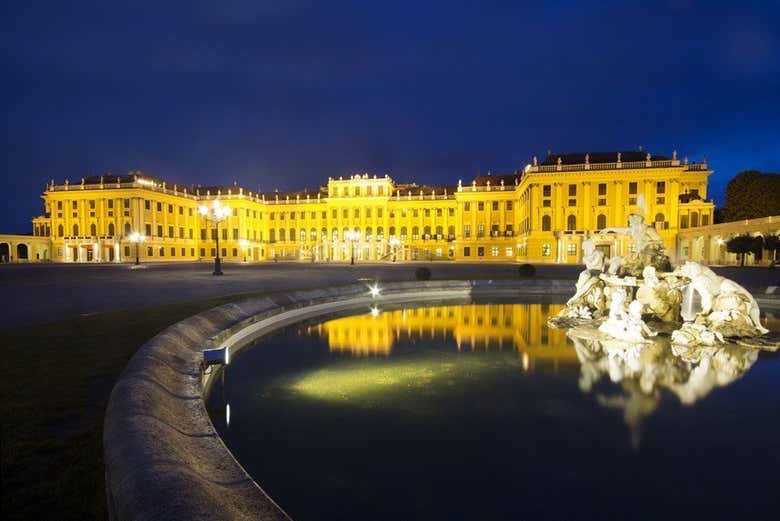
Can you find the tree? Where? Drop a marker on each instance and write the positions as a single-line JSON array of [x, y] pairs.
[[752, 194], [744, 244], [772, 245]]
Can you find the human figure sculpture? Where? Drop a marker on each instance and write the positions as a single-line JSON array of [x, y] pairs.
[[589, 296], [659, 298], [726, 307], [625, 321]]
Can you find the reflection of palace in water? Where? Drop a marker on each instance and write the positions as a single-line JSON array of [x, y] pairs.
[[474, 326]]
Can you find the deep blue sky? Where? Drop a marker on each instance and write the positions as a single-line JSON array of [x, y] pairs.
[[285, 94]]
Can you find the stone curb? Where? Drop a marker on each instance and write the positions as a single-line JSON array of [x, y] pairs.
[[163, 457]]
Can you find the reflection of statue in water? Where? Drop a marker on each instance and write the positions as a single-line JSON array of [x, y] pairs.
[[644, 372]]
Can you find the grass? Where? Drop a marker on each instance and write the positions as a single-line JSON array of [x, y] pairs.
[[57, 380]]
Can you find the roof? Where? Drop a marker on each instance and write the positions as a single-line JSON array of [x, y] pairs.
[[426, 190], [578, 158], [495, 180]]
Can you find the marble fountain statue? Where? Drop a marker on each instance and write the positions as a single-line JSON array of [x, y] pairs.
[[634, 299]]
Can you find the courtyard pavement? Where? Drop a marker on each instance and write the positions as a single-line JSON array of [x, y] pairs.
[[37, 293]]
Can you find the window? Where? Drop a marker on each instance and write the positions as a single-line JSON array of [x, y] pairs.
[[480, 206], [546, 223], [546, 250], [92, 229], [508, 251], [494, 251], [173, 252], [149, 251], [235, 252], [439, 212], [571, 223], [466, 207], [509, 206], [170, 232], [159, 230], [683, 221], [224, 234], [572, 202], [415, 233], [601, 222], [111, 229], [694, 219], [660, 200], [480, 230], [480, 251], [660, 187], [660, 221], [427, 212], [357, 190], [572, 190], [202, 234], [546, 190], [235, 234], [546, 203], [181, 232], [415, 212], [203, 252], [602, 188], [60, 231], [181, 210], [705, 220], [632, 188], [159, 207], [467, 251], [170, 208], [495, 206], [466, 231], [571, 249], [403, 233]]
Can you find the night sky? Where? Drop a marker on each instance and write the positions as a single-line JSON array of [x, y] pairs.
[[285, 94]]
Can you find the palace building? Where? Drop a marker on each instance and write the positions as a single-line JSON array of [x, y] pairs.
[[539, 214]]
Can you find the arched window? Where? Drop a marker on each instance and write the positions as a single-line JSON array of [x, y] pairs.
[[292, 235], [571, 223], [415, 233], [92, 229], [427, 232], [75, 230], [60, 231], [324, 233], [272, 235], [451, 232], [334, 234], [369, 233], [380, 233], [660, 221], [111, 228], [403, 233], [439, 231], [313, 235], [127, 228], [546, 223], [344, 233], [694, 219], [601, 222], [282, 234], [392, 231], [303, 235], [683, 221]]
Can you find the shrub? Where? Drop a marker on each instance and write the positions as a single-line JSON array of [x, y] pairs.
[[526, 270], [422, 273]]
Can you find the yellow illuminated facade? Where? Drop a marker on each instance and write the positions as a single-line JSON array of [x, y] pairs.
[[539, 214]]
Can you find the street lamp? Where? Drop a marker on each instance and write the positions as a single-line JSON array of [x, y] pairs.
[[394, 243], [137, 239], [244, 243], [216, 213], [352, 236]]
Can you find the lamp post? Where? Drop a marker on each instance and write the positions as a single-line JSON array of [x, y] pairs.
[[137, 239], [244, 243], [352, 236], [394, 243], [216, 213]]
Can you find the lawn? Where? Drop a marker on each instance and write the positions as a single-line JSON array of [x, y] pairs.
[[55, 387]]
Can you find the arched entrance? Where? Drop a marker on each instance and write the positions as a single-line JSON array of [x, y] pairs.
[[22, 252], [5, 252]]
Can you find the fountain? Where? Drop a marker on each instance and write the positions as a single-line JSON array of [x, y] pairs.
[[635, 298]]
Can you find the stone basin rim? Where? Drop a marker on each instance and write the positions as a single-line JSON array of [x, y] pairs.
[[163, 456]]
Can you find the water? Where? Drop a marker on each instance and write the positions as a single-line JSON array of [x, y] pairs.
[[480, 412]]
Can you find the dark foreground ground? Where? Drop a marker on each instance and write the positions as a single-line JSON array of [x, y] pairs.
[[68, 331]]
